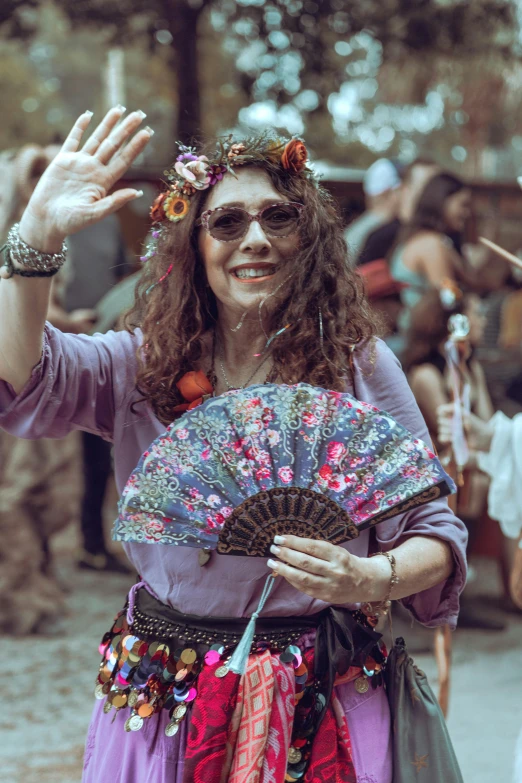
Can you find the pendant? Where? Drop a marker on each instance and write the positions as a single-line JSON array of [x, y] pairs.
[[204, 556]]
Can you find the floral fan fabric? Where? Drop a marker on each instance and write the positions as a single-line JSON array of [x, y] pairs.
[[250, 441]]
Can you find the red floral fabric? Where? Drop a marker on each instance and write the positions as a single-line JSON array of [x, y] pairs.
[[207, 737]]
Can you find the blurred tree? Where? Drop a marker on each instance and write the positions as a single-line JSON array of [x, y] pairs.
[[288, 51]]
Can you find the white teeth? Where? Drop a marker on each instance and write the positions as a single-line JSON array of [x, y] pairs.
[[245, 273]]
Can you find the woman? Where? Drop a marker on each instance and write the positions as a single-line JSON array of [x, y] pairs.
[[428, 253], [40, 481], [495, 446], [424, 358], [208, 305], [424, 361]]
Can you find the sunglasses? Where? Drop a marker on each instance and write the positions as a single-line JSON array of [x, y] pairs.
[[228, 224]]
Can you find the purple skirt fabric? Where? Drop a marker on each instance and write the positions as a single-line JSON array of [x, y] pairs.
[[148, 756]]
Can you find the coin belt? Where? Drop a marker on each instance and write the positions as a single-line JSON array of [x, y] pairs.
[[145, 672]]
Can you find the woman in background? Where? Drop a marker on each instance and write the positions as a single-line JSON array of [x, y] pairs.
[[428, 254], [424, 363], [40, 481]]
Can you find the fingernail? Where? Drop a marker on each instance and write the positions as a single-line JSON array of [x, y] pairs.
[[141, 114], [519, 180], [138, 194], [275, 549], [121, 108], [272, 564], [89, 112], [280, 540], [149, 130]]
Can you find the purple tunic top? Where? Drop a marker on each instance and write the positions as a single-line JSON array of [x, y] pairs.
[[88, 383]]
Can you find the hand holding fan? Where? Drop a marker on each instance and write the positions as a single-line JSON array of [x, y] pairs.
[[272, 459]]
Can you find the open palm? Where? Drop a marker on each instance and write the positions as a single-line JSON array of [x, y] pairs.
[[73, 191]]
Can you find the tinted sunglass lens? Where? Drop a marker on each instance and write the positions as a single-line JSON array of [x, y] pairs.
[[280, 220], [227, 224]]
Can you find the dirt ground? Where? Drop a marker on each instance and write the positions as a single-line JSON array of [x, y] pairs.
[[46, 691]]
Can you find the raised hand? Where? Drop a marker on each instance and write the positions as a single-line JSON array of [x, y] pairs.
[[73, 191]]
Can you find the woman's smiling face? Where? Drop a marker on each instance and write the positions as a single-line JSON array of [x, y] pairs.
[[230, 266]]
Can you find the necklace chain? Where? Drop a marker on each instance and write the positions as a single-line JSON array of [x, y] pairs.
[[244, 385]]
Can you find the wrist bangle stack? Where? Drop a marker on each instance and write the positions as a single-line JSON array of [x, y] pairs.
[[8, 269], [382, 607], [28, 257]]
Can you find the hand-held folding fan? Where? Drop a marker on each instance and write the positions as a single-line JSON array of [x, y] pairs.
[[272, 460]]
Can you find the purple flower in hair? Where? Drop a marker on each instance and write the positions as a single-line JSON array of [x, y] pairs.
[[216, 173], [187, 156]]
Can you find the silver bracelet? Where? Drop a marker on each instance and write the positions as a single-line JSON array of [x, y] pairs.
[[25, 255]]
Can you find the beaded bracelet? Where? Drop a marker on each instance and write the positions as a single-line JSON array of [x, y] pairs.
[[8, 269], [382, 607], [27, 256]]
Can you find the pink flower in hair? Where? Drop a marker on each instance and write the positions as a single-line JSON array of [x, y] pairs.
[[196, 172]]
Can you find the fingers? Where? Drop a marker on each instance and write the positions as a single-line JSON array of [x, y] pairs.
[[103, 130], [121, 162], [318, 549], [302, 560], [114, 141], [73, 140], [306, 583], [109, 204]]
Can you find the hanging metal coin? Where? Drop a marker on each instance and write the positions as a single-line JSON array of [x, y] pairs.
[[172, 728], [107, 707], [180, 711], [98, 692], [362, 685], [126, 725], [294, 756], [221, 671], [135, 723], [189, 655], [133, 699], [120, 700]]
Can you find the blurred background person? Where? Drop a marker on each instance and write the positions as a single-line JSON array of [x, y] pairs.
[[373, 260], [501, 350], [496, 448], [382, 239], [96, 263], [429, 247], [381, 187], [424, 362], [40, 481]]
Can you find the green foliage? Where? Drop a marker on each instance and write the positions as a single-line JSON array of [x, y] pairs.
[[193, 65]]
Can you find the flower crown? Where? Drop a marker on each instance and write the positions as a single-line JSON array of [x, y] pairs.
[[192, 172]]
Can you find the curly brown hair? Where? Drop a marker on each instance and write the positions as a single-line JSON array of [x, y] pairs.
[[176, 314]]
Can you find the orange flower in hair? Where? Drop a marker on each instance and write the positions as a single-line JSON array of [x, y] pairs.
[[157, 211], [176, 207], [294, 156]]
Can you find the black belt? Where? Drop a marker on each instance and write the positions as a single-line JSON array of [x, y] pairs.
[[343, 638]]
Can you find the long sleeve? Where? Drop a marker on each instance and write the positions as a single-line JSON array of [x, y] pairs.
[[503, 464], [379, 379], [79, 383]]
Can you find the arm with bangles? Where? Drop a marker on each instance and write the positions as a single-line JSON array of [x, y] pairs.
[[71, 194], [330, 573]]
